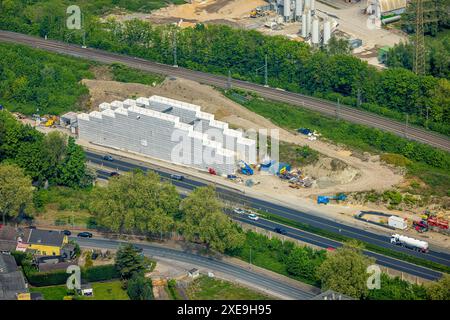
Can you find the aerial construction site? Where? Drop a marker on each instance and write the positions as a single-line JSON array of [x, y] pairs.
[[312, 21]]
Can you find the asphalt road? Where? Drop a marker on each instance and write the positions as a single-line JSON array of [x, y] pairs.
[[325, 107], [212, 264], [235, 196]]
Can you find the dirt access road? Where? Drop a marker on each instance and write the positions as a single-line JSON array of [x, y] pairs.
[[206, 11]]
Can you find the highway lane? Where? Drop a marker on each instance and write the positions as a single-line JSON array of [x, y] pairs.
[[212, 264], [308, 237], [283, 211], [325, 243], [326, 107]]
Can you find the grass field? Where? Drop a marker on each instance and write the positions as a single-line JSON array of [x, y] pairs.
[[51, 293], [108, 291], [205, 288], [102, 291]]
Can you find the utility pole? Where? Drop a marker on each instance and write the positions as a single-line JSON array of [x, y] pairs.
[[175, 59], [359, 97], [229, 80], [266, 77], [419, 56], [426, 123], [419, 40], [338, 106], [250, 255], [406, 125]]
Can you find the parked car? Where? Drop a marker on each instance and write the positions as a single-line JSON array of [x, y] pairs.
[[280, 231], [176, 177], [253, 216], [66, 232], [138, 249], [114, 174], [108, 158], [84, 234], [304, 131]]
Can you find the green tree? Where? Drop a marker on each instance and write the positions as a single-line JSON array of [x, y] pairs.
[[136, 202], [304, 261], [337, 46], [16, 191], [203, 220], [397, 289], [72, 170], [129, 261], [54, 149], [344, 271], [439, 290], [139, 288]]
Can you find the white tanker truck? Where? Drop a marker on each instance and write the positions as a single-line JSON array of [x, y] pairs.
[[410, 243]]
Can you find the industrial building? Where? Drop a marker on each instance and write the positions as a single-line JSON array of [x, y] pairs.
[[316, 27], [169, 130], [384, 8]]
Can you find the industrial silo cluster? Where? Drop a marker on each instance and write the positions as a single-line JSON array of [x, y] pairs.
[[314, 28]]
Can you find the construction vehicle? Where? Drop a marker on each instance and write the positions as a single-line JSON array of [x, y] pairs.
[[409, 243], [435, 222], [326, 199], [51, 121], [257, 12], [244, 168], [420, 226]]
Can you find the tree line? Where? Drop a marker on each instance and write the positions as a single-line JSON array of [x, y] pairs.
[[141, 203], [33, 81], [29, 159], [295, 66]]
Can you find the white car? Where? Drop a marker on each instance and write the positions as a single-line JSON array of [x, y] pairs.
[[239, 211], [253, 216]]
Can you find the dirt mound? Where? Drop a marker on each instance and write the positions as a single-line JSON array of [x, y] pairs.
[[329, 172]]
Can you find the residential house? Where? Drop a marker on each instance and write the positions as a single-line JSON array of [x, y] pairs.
[[12, 281], [46, 242]]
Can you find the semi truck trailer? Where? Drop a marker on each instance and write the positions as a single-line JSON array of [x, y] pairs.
[[409, 243]]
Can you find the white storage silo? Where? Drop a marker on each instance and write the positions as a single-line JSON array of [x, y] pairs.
[[287, 10], [313, 5], [326, 31], [315, 31], [308, 3], [304, 26], [298, 9], [308, 21]]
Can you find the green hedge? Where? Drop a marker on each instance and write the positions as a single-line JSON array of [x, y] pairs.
[[93, 274]]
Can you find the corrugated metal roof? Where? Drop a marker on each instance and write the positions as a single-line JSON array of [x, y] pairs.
[[391, 5]]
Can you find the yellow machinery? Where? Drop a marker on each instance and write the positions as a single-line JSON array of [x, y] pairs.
[[258, 12], [51, 121]]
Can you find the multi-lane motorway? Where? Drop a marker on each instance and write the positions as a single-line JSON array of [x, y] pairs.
[[212, 264], [325, 107], [234, 196]]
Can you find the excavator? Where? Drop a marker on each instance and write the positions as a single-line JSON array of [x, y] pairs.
[[258, 12]]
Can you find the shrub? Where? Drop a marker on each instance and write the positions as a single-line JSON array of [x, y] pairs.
[[393, 197], [395, 159], [92, 274]]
